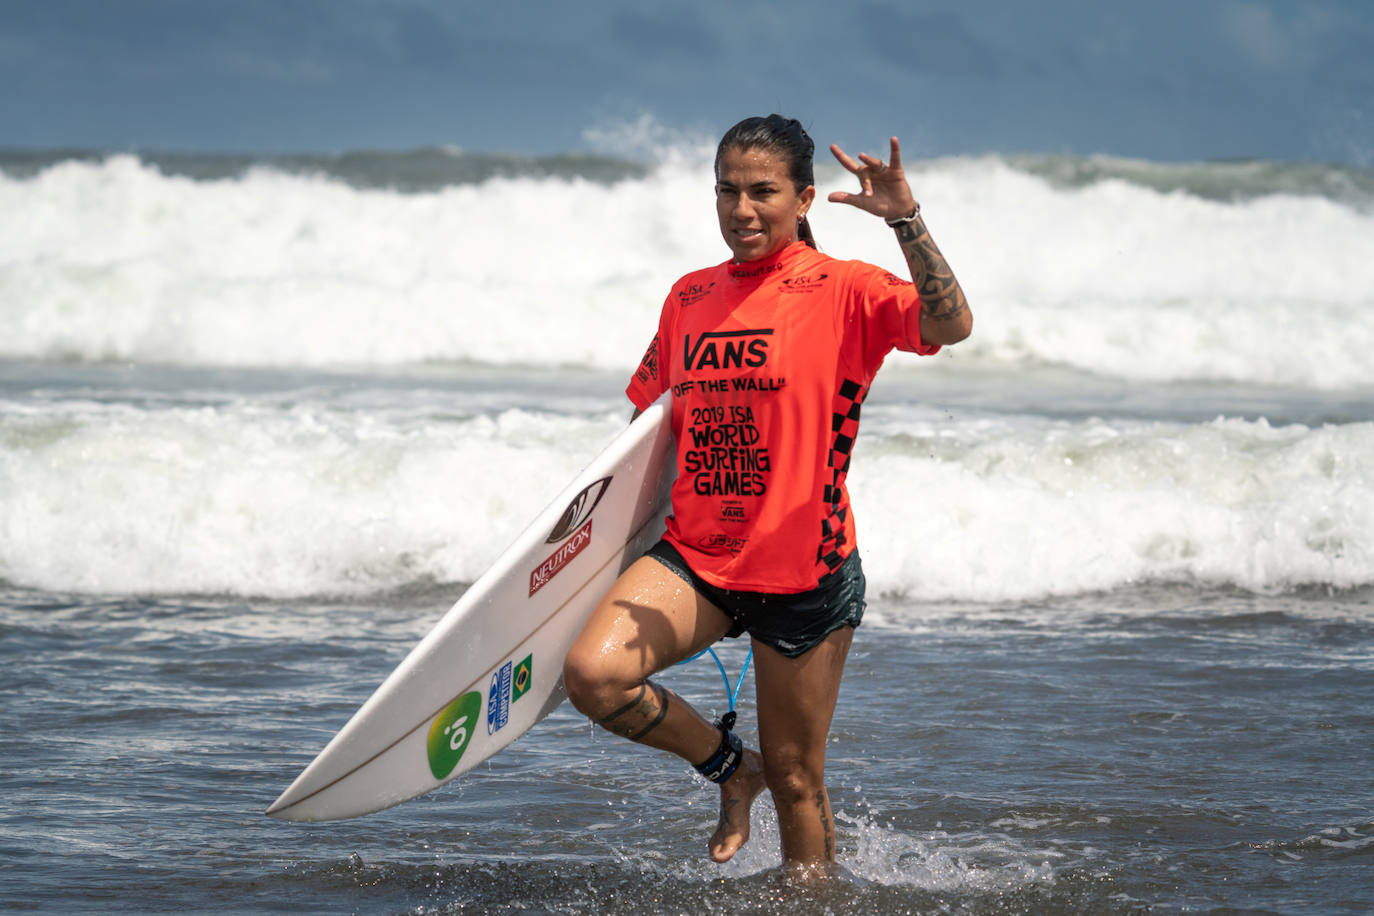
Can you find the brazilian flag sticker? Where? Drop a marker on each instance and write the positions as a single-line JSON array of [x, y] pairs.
[[450, 732], [524, 673]]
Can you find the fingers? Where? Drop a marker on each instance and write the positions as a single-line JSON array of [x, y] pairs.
[[845, 159], [873, 164]]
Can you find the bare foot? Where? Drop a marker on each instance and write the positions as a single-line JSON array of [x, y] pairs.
[[737, 795]]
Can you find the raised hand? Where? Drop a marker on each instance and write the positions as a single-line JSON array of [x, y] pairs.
[[883, 190]]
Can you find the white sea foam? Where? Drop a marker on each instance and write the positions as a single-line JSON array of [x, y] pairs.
[[117, 261], [246, 500], [1002, 509], [250, 498], [944, 863]]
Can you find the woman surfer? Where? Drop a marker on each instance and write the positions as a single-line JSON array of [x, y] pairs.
[[769, 356]]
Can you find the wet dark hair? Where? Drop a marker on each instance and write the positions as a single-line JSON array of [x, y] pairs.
[[787, 138]]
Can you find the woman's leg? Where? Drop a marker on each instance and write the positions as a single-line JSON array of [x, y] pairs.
[[796, 700], [649, 620]]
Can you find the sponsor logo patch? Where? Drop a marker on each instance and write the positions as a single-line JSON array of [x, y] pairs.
[[579, 510], [541, 575], [498, 699], [450, 733]]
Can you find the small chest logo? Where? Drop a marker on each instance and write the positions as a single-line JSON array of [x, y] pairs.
[[803, 284], [694, 293]]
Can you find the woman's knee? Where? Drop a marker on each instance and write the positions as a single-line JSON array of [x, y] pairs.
[[792, 774], [586, 681]]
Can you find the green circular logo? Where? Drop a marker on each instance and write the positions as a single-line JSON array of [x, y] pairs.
[[450, 733]]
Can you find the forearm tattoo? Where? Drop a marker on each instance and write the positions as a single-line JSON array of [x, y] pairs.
[[641, 715], [942, 298]]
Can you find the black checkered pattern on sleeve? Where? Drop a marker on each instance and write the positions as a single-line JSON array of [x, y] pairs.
[[844, 428]]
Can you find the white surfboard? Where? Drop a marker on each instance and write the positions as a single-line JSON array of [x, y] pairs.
[[492, 666]]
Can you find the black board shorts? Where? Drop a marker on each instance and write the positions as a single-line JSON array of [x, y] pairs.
[[792, 624]]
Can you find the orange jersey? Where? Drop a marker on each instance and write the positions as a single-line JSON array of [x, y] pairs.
[[769, 362]]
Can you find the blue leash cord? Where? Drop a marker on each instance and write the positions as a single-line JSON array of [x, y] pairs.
[[730, 692]]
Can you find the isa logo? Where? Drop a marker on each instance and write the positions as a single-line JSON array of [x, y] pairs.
[[451, 731], [498, 699]]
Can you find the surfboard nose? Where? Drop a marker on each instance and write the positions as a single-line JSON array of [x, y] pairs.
[[285, 808]]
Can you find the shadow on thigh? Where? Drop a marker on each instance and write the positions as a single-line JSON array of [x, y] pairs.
[[649, 620]]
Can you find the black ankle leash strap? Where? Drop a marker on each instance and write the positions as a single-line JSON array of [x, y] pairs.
[[727, 757]]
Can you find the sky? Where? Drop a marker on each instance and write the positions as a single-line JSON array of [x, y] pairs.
[[1169, 80]]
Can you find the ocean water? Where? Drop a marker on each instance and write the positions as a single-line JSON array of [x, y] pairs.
[[262, 421]]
